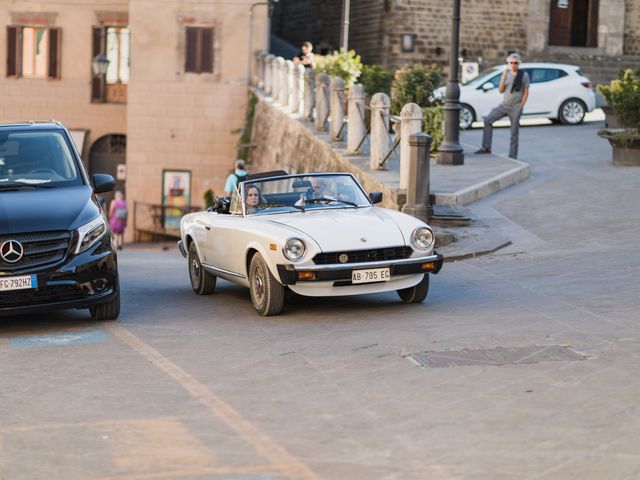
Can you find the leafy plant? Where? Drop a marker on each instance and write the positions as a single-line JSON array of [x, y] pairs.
[[244, 149], [432, 119], [375, 78], [415, 84], [628, 138], [623, 95], [346, 65]]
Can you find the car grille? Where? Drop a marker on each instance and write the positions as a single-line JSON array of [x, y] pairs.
[[361, 256], [40, 248], [41, 296]]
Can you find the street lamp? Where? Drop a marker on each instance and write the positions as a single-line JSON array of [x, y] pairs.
[[344, 38], [450, 151], [100, 64]]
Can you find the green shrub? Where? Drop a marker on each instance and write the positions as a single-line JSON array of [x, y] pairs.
[[415, 84], [346, 65], [375, 78], [244, 152], [432, 119], [623, 95], [628, 138]]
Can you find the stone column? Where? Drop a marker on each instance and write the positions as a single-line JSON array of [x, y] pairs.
[[262, 66], [298, 87], [356, 127], [278, 64], [410, 123], [281, 74], [268, 74], [322, 101], [336, 106], [380, 146], [285, 77], [309, 93], [418, 194], [292, 85]]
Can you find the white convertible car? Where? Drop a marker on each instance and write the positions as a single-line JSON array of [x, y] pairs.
[[316, 234]]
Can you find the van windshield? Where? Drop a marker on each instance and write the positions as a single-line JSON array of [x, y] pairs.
[[41, 158]]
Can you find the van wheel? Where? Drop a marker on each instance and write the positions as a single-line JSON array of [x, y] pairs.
[[108, 310], [202, 282], [417, 293], [267, 294], [572, 112]]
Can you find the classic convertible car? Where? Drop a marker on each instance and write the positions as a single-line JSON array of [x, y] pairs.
[[316, 234]]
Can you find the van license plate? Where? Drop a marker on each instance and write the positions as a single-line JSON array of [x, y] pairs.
[[371, 275], [18, 283]]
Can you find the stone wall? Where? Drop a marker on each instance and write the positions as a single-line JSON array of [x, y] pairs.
[[632, 28]]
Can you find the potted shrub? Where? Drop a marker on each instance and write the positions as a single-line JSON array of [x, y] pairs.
[[623, 95]]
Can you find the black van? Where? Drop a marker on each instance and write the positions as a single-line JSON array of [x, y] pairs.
[[56, 247]]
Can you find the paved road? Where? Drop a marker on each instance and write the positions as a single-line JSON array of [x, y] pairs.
[[200, 387]]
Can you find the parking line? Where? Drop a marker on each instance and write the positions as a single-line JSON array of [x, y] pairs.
[[265, 446]]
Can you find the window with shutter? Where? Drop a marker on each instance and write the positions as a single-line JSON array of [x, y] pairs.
[[54, 52], [12, 51], [33, 52], [199, 51], [98, 82]]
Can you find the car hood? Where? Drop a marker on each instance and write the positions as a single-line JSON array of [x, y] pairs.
[[64, 208], [341, 229]]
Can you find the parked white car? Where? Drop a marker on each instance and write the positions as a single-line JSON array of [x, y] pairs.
[[315, 234], [558, 92]]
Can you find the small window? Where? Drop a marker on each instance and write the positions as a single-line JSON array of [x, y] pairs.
[[199, 52], [33, 52], [114, 43], [541, 75]]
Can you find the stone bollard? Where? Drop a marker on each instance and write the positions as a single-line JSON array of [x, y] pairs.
[[380, 146], [292, 85], [268, 73], [286, 75], [283, 88], [322, 101], [336, 106], [262, 67], [356, 127], [275, 78], [309, 93], [410, 123], [418, 194], [298, 87]]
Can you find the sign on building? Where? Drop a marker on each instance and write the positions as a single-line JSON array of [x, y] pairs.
[[470, 70]]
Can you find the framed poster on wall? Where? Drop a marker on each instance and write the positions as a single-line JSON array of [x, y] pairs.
[[176, 195]]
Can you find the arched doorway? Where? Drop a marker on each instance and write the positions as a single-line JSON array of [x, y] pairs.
[[108, 155]]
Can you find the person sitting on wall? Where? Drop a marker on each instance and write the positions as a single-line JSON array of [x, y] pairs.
[[305, 56]]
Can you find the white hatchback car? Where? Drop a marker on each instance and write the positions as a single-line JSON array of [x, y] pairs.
[[558, 92]]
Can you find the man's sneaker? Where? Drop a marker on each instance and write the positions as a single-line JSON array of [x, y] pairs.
[[483, 150]]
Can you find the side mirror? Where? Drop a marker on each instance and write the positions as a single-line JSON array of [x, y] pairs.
[[375, 197], [488, 86], [103, 183]]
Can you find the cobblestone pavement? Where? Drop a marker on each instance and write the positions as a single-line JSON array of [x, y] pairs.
[[201, 387]]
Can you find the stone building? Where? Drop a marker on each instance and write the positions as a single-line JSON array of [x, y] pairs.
[[166, 116], [601, 36]]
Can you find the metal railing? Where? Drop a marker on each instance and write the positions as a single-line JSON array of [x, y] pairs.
[[153, 222]]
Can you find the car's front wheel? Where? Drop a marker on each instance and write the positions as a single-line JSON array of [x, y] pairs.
[[417, 293], [572, 112], [202, 282], [267, 294], [108, 310], [467, 116]]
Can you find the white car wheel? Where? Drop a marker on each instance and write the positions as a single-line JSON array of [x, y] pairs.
[[202, 282], [467, 116], [267, 294], [417, 293], [572, 111]]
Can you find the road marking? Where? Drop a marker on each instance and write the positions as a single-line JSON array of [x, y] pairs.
[[59, 340], [232, 473], [265, 446]]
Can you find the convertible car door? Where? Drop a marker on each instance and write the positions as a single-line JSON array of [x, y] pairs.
[[222, 250]]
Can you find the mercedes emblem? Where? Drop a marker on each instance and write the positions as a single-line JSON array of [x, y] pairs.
[[11, 251]]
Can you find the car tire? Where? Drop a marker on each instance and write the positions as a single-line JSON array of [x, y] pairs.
[[572, 111], [467, 116], [267, 294], [202, 282], [109, 310], [417, 293]]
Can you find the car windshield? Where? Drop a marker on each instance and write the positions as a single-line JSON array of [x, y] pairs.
[[36, 159], [302, 193], [483, 77]]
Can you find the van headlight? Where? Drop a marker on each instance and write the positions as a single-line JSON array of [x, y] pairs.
[[422, 238], [90, 233], [294, 249]]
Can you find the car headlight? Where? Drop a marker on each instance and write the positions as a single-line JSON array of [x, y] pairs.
[[422, 238], [294, 249], [90, 233]]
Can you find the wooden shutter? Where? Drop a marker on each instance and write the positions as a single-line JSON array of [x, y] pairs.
[[192, 54], [98, 82], [207, 50], [55, 35], [12, 52]]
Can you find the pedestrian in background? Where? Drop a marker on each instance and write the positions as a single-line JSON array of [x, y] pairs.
[[305, 56], [232, 179], [514, 84], [118, 218]]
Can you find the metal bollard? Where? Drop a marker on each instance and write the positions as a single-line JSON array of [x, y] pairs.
[[309, 93], [322, 101], [418, 194], [410, 123], [337, 108], [380, 105]]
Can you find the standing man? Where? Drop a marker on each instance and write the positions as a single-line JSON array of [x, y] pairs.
[[514, 84], [233, 178], [305, 56]]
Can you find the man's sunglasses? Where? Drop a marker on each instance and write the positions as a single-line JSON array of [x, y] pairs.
[[512, 63]]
